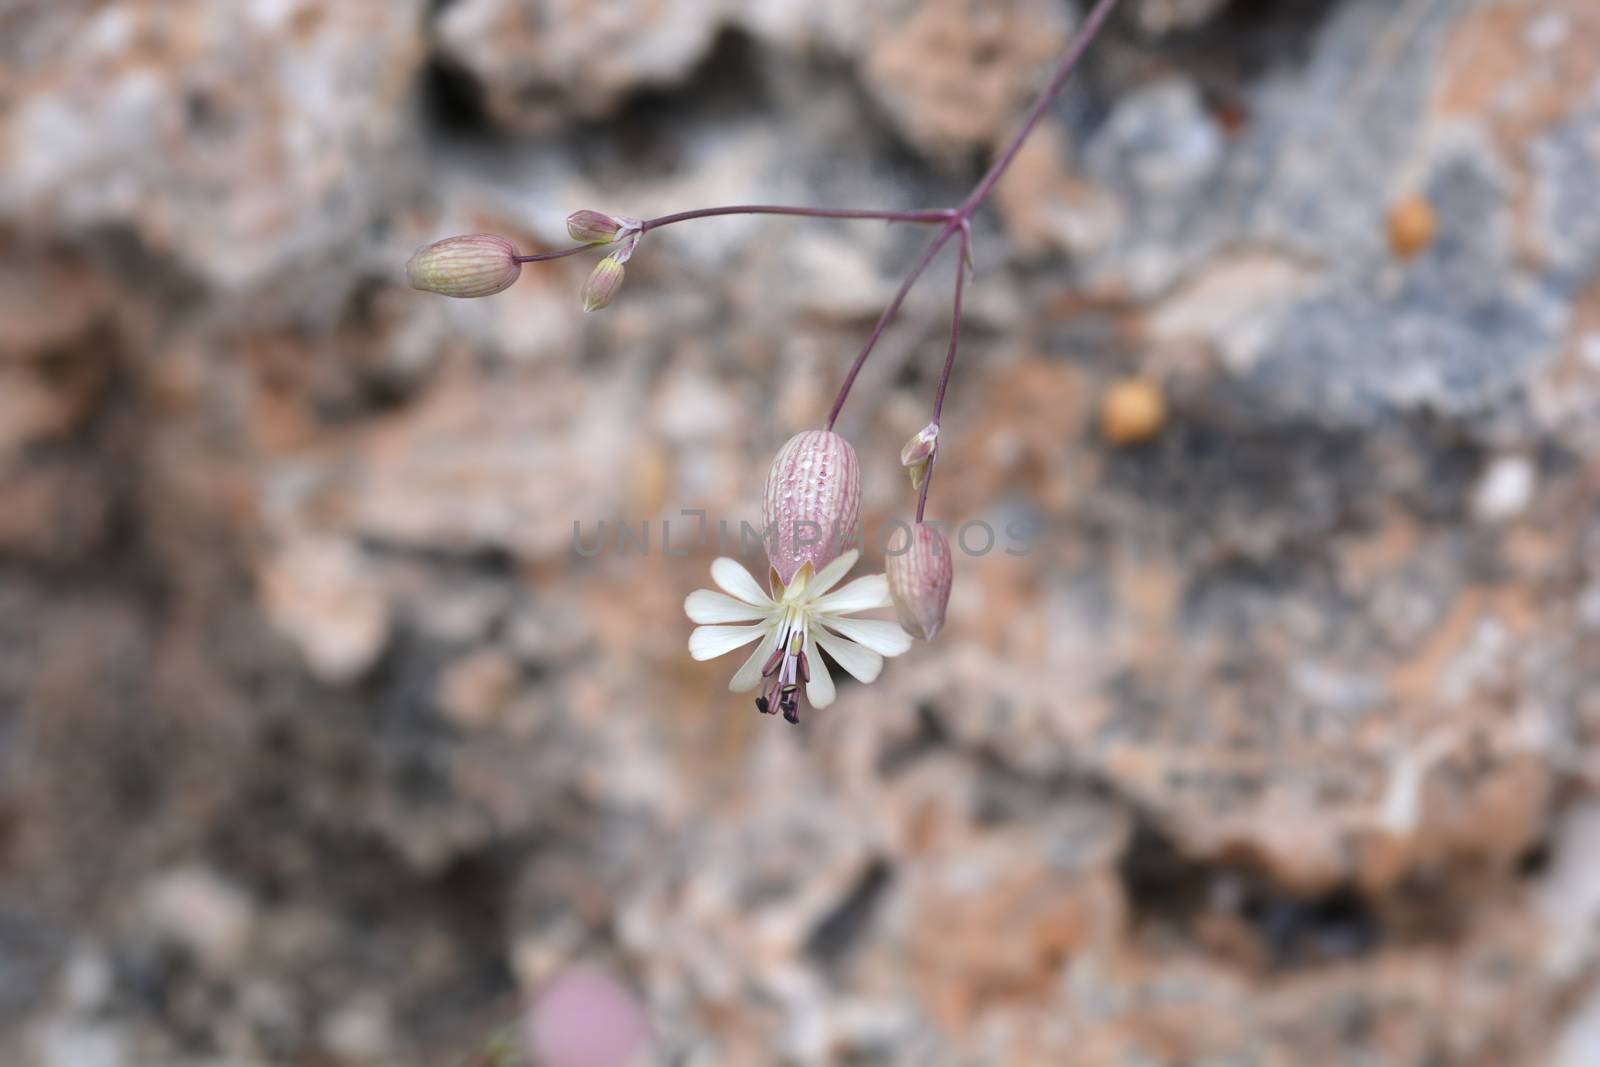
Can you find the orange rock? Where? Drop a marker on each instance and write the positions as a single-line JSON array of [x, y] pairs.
[[1132, 412], [1412, 226]]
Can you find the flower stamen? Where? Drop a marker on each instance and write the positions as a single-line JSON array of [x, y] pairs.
[[788, 669]]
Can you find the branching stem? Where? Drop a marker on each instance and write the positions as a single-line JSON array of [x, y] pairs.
[[951, 222], [959, 220]]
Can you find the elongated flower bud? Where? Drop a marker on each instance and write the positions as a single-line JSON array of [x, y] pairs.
[[597, 228], [919, 581], [918, 453], [812, 502], [604, 282], [606, 279], [477, 264]]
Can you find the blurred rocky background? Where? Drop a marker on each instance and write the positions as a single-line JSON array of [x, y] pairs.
[[320, 745]]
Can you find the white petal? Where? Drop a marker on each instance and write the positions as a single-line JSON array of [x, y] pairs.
[[860, 595], [707, 605], [830, 575], [748, 677], [709, 642], [884, 638], [735, 580], [819, 691], [863, 664]]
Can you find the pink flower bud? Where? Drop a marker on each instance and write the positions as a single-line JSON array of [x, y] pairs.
[[812, 502], [918, 453], [919, 581], [478, 264], [597, 228]]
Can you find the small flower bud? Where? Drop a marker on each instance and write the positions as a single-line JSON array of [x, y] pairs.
[[918, 453], [606, 278], [603, 283], [597, 228], [478, 264], [919, 581], [812, 502]]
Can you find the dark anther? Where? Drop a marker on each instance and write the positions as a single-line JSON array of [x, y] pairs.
[[762, 706]]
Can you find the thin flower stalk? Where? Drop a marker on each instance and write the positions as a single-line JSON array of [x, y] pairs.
[[944, 375]]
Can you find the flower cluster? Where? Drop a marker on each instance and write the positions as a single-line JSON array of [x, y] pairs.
[[812, 503]]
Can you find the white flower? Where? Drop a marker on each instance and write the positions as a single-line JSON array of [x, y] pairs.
[[791, 624]]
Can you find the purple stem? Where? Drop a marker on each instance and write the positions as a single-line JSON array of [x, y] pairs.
[[958, 220], [1069, 61], [939, 215], [949, 365], [888, 313], [540, 257]]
